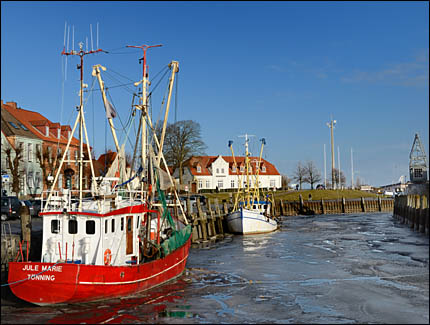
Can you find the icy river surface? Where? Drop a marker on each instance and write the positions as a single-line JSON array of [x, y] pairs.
[[358, 268]]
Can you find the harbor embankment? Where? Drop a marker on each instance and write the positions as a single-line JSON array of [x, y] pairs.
[[413, 209]]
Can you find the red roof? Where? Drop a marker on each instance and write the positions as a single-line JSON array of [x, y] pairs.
[[205, 163], [37, 123]]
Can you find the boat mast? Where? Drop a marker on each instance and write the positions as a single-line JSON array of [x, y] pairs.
[[81, 119], [144, 108]]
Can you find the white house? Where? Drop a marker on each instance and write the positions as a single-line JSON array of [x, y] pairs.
[[212, 172]]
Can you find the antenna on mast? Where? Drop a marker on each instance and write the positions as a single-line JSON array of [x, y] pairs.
[[91, 34]]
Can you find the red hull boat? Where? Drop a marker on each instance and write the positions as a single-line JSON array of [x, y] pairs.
[[111, 238], [57, 283]]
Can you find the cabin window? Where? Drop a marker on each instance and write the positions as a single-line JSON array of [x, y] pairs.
[[122, 224], [106, 226], [137, 224], [113, 225], [129, 224], [55, 226], [90, 227], [73, 226]]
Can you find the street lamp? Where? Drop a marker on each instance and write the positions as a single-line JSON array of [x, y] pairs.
[[331, 126]]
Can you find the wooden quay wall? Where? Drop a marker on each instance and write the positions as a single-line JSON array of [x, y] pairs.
[[311, 207], [208, 221], [413, 210]]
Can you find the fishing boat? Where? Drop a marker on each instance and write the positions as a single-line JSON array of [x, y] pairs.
[[251, 212], [119, 236]]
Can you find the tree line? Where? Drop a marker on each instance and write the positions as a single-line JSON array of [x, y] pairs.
[[308, 173]]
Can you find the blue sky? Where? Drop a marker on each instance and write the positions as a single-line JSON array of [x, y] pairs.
[[277, 70]]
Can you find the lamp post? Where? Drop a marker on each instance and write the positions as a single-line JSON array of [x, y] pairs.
[[331, 126]]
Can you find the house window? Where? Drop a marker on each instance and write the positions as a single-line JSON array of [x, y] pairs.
[[38, 179], [23, 127], [208, 184], [38, 150], [220, 184], [90, 226], [222, 170], [232, 183], [217, 170], [14, 125], [60, 181], [76, 157], [50, 154], [272, 183], [73, 226], [30, 151], [30, 180], [200, 183], [199, 169]]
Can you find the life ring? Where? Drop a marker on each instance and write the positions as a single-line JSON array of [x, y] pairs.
[[108, 256]]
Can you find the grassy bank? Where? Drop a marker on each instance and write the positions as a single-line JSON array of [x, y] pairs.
[[294, 195]]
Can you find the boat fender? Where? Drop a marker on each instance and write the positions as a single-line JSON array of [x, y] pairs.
[[108, 256]]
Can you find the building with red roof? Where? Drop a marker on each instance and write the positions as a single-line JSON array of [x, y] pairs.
[[220, 172], [53, 138]]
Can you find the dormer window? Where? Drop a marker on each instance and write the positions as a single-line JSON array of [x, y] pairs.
[[47, 131], [263, 169], [233, 169], [199, 169], [241, 168], [58, 133]]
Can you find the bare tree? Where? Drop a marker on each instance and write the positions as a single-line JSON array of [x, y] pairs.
[[312, 174], [47, 163], [285, 181], [182, 141], [14, 166], [299, 174], [340, 174]]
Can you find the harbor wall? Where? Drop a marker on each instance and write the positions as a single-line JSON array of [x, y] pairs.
[[208, 221], [342, 205], [413, 210]]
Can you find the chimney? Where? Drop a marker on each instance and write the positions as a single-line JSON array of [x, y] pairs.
[[12, 104]]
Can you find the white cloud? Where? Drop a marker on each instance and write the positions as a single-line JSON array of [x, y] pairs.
[[414, 73]]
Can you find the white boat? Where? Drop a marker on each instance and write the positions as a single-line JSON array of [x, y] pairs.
[[251, 214]]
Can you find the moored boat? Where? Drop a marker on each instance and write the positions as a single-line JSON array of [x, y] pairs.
[[112, 239], [251, 212]]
